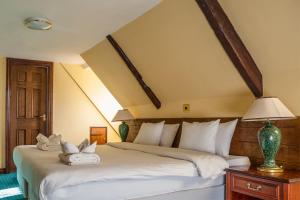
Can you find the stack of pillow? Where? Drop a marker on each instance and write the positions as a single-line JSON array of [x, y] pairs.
[[213, 137]]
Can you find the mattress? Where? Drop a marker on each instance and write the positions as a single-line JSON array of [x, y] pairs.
[[120, 188], [132, 189]]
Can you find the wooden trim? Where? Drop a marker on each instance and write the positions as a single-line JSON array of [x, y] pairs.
[[7, 115], [2, 171], [228, 193], [49, 67], [233, 45], [50, 98], [135, 72]]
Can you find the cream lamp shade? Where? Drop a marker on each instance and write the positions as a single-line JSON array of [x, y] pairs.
[[268, 108], [122, 115]]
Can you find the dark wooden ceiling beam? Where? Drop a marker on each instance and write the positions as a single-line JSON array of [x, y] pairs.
[[135, 72], [233, 45]]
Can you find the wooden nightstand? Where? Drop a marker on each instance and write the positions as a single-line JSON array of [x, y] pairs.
[[98, 134], [250, 184]]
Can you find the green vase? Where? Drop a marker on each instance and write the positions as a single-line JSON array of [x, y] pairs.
[[269, 138], [123, 130]]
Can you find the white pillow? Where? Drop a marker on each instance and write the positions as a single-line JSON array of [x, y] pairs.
[[150, 133], [168, 134], [199, 136], [224, 136]]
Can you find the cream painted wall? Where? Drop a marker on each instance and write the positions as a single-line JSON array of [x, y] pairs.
[[270, 30], [2, 108], [180, 58], [96, 91], [73, 113]]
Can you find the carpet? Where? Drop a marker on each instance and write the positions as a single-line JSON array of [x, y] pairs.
[[9, 187]]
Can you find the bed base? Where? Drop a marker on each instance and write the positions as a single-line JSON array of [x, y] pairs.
[[211, 193]]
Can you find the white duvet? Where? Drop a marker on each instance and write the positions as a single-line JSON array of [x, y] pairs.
[[45, 173]]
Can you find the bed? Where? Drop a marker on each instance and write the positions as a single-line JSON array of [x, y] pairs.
[[127, 171]]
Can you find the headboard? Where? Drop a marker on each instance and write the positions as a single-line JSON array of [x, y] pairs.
[[244, 140]]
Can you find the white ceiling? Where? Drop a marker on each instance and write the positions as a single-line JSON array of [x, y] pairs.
[[77, 26]]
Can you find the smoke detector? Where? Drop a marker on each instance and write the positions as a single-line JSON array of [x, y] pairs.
[[38, 23]]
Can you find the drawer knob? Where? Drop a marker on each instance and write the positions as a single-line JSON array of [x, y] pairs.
[[253, 188]]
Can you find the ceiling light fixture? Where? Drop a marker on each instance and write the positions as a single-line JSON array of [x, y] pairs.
[[38, 23]]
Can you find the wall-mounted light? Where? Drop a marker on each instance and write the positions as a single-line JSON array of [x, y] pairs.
[[38, 23]]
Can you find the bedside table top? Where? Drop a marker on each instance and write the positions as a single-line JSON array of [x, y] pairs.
[[288, 176]]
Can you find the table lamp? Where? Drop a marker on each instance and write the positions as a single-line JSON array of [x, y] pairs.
[[123, 115], [269, 137]]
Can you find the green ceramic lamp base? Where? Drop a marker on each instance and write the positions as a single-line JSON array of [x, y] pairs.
[[269, 138], [123, 130]]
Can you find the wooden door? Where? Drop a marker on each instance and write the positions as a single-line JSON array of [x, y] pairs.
[[29, 103]]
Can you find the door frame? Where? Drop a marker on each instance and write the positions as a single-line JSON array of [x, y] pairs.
[[49, 70]]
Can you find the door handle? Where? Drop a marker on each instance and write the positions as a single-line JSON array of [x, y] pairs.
[[43, 117]]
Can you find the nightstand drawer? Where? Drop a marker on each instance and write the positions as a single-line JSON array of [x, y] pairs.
[[256, 187]]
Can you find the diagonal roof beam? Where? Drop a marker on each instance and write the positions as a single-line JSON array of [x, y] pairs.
[[233, 45], [156, 102]]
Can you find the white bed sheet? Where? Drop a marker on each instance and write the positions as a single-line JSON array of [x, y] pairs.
[[132, 188]]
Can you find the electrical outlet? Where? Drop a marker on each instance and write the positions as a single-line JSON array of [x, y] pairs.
[[186, 107]]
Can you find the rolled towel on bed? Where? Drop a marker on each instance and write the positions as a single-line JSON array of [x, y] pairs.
[[48, 144], [80, 159]]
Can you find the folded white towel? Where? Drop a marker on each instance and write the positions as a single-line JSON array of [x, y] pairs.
[[46, 147], [42, 139], [69, 148], [90, 148], [48, 144], [83, 147], [80, 159], [83, 144]]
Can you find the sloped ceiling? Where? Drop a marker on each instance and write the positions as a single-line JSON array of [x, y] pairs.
[[77, 26], [181, 60], [175, 50]]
